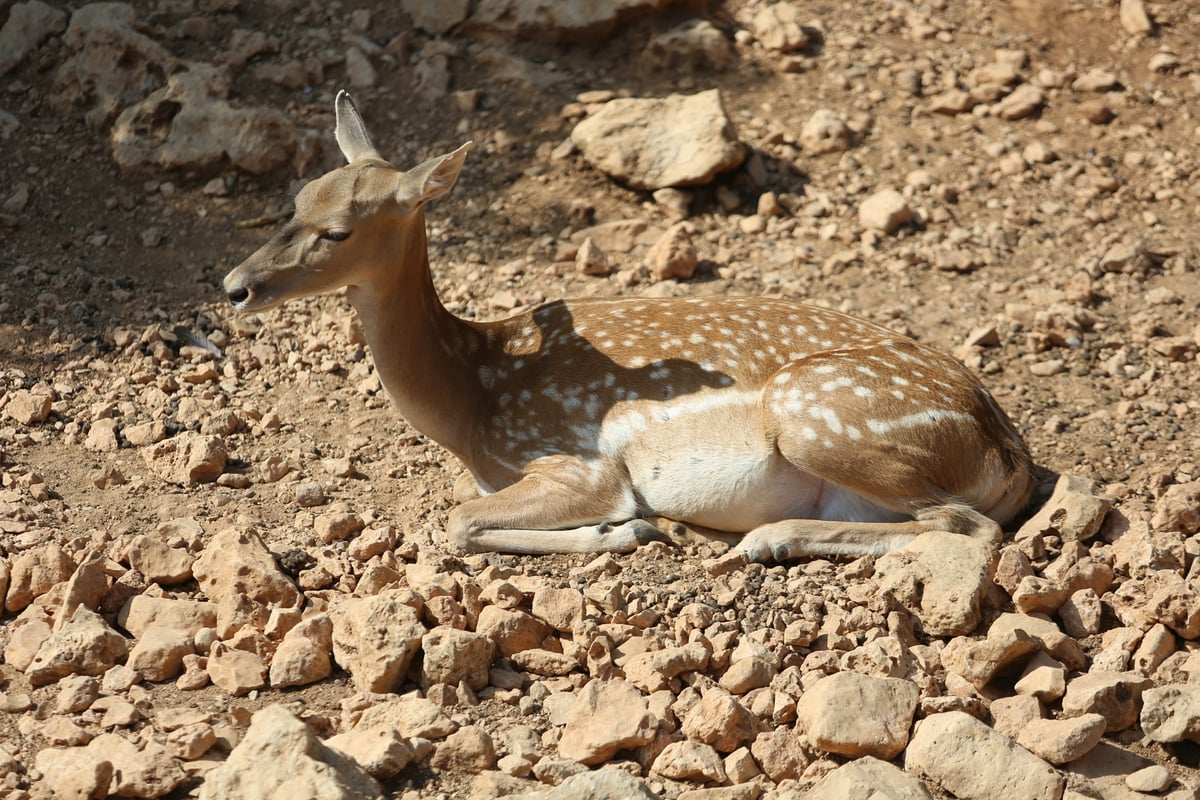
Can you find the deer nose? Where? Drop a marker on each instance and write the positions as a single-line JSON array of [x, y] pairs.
[[238, 295]]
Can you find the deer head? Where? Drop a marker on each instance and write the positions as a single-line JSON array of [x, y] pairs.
[[344, 222]]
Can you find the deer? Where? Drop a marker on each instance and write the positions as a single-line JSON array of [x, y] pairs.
[[789, 429]]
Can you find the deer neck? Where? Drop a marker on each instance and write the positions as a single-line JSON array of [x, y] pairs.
[[425, 356]]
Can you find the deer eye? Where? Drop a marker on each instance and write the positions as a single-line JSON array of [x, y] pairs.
[[335, 236]]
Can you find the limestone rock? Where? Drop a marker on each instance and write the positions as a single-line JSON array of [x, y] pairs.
[[1007, 627], [375, 639], [696, 44], [187, 459], [238, 573], [511, 630], [868, 778], [607, 716], [238, 672], [74, 773], [1179, 508], [1043, 678], [654, 670], [1150, 780], [27, 408], [539, 661], [1117, 696], [1172, 713], [1024, 101], [1134, 18], [781, 754], [720, 720], [825, 132], [337, 525], [280, 757], [561, 609], [652, 143], [24, 642], [412, 717], [690, 761], [885, 211], [28, 25], [610, 783], [942, 578], [1171, 601], [580, 21], [1140, 552], [147, 770], [204, 132], [616, 236], [747, 675], [468, 749], [84, 645], [970, 760], [1061, 740], [382, 752], [951, 102], [673, 255], [591, 260], [32, 574], [102, 436], [981, 660], [86, 587], [1096, 79], [159, 562], [777, 27], [452, 656], [436, 18], [1081, 614], [303, 655], [1074, 511], [855, 715], [158, 654], [143, 611], [110, 64]]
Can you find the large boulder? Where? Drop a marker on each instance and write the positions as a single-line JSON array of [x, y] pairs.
[[653, 143], [583, 21], [280, 757], [189, 125]]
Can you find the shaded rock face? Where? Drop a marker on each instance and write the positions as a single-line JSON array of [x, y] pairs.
[[111, 64], [28, 25], [580, 21], [189, 125]]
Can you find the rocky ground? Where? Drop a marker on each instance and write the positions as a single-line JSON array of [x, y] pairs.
[[223, 565]]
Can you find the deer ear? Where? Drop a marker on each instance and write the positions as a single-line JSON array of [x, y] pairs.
[[431, 179], [351, 132]]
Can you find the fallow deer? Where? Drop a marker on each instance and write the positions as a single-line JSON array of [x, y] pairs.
[[806, 430]]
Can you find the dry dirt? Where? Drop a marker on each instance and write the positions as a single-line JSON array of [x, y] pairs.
[[78, 287]]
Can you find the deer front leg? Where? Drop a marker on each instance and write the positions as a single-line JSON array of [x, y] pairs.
[[794, 538], [562, 505]]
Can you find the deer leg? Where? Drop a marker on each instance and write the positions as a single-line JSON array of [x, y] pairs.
[[794, 538], [551, 513]]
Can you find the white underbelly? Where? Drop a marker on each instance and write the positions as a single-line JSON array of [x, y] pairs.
[[708, 463]]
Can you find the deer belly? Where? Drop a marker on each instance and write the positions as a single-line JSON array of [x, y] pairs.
[[715, 470]]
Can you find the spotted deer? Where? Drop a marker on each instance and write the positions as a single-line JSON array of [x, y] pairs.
[[806, 430]]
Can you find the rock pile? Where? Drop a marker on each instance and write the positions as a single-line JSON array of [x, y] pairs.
[[603, 668]]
